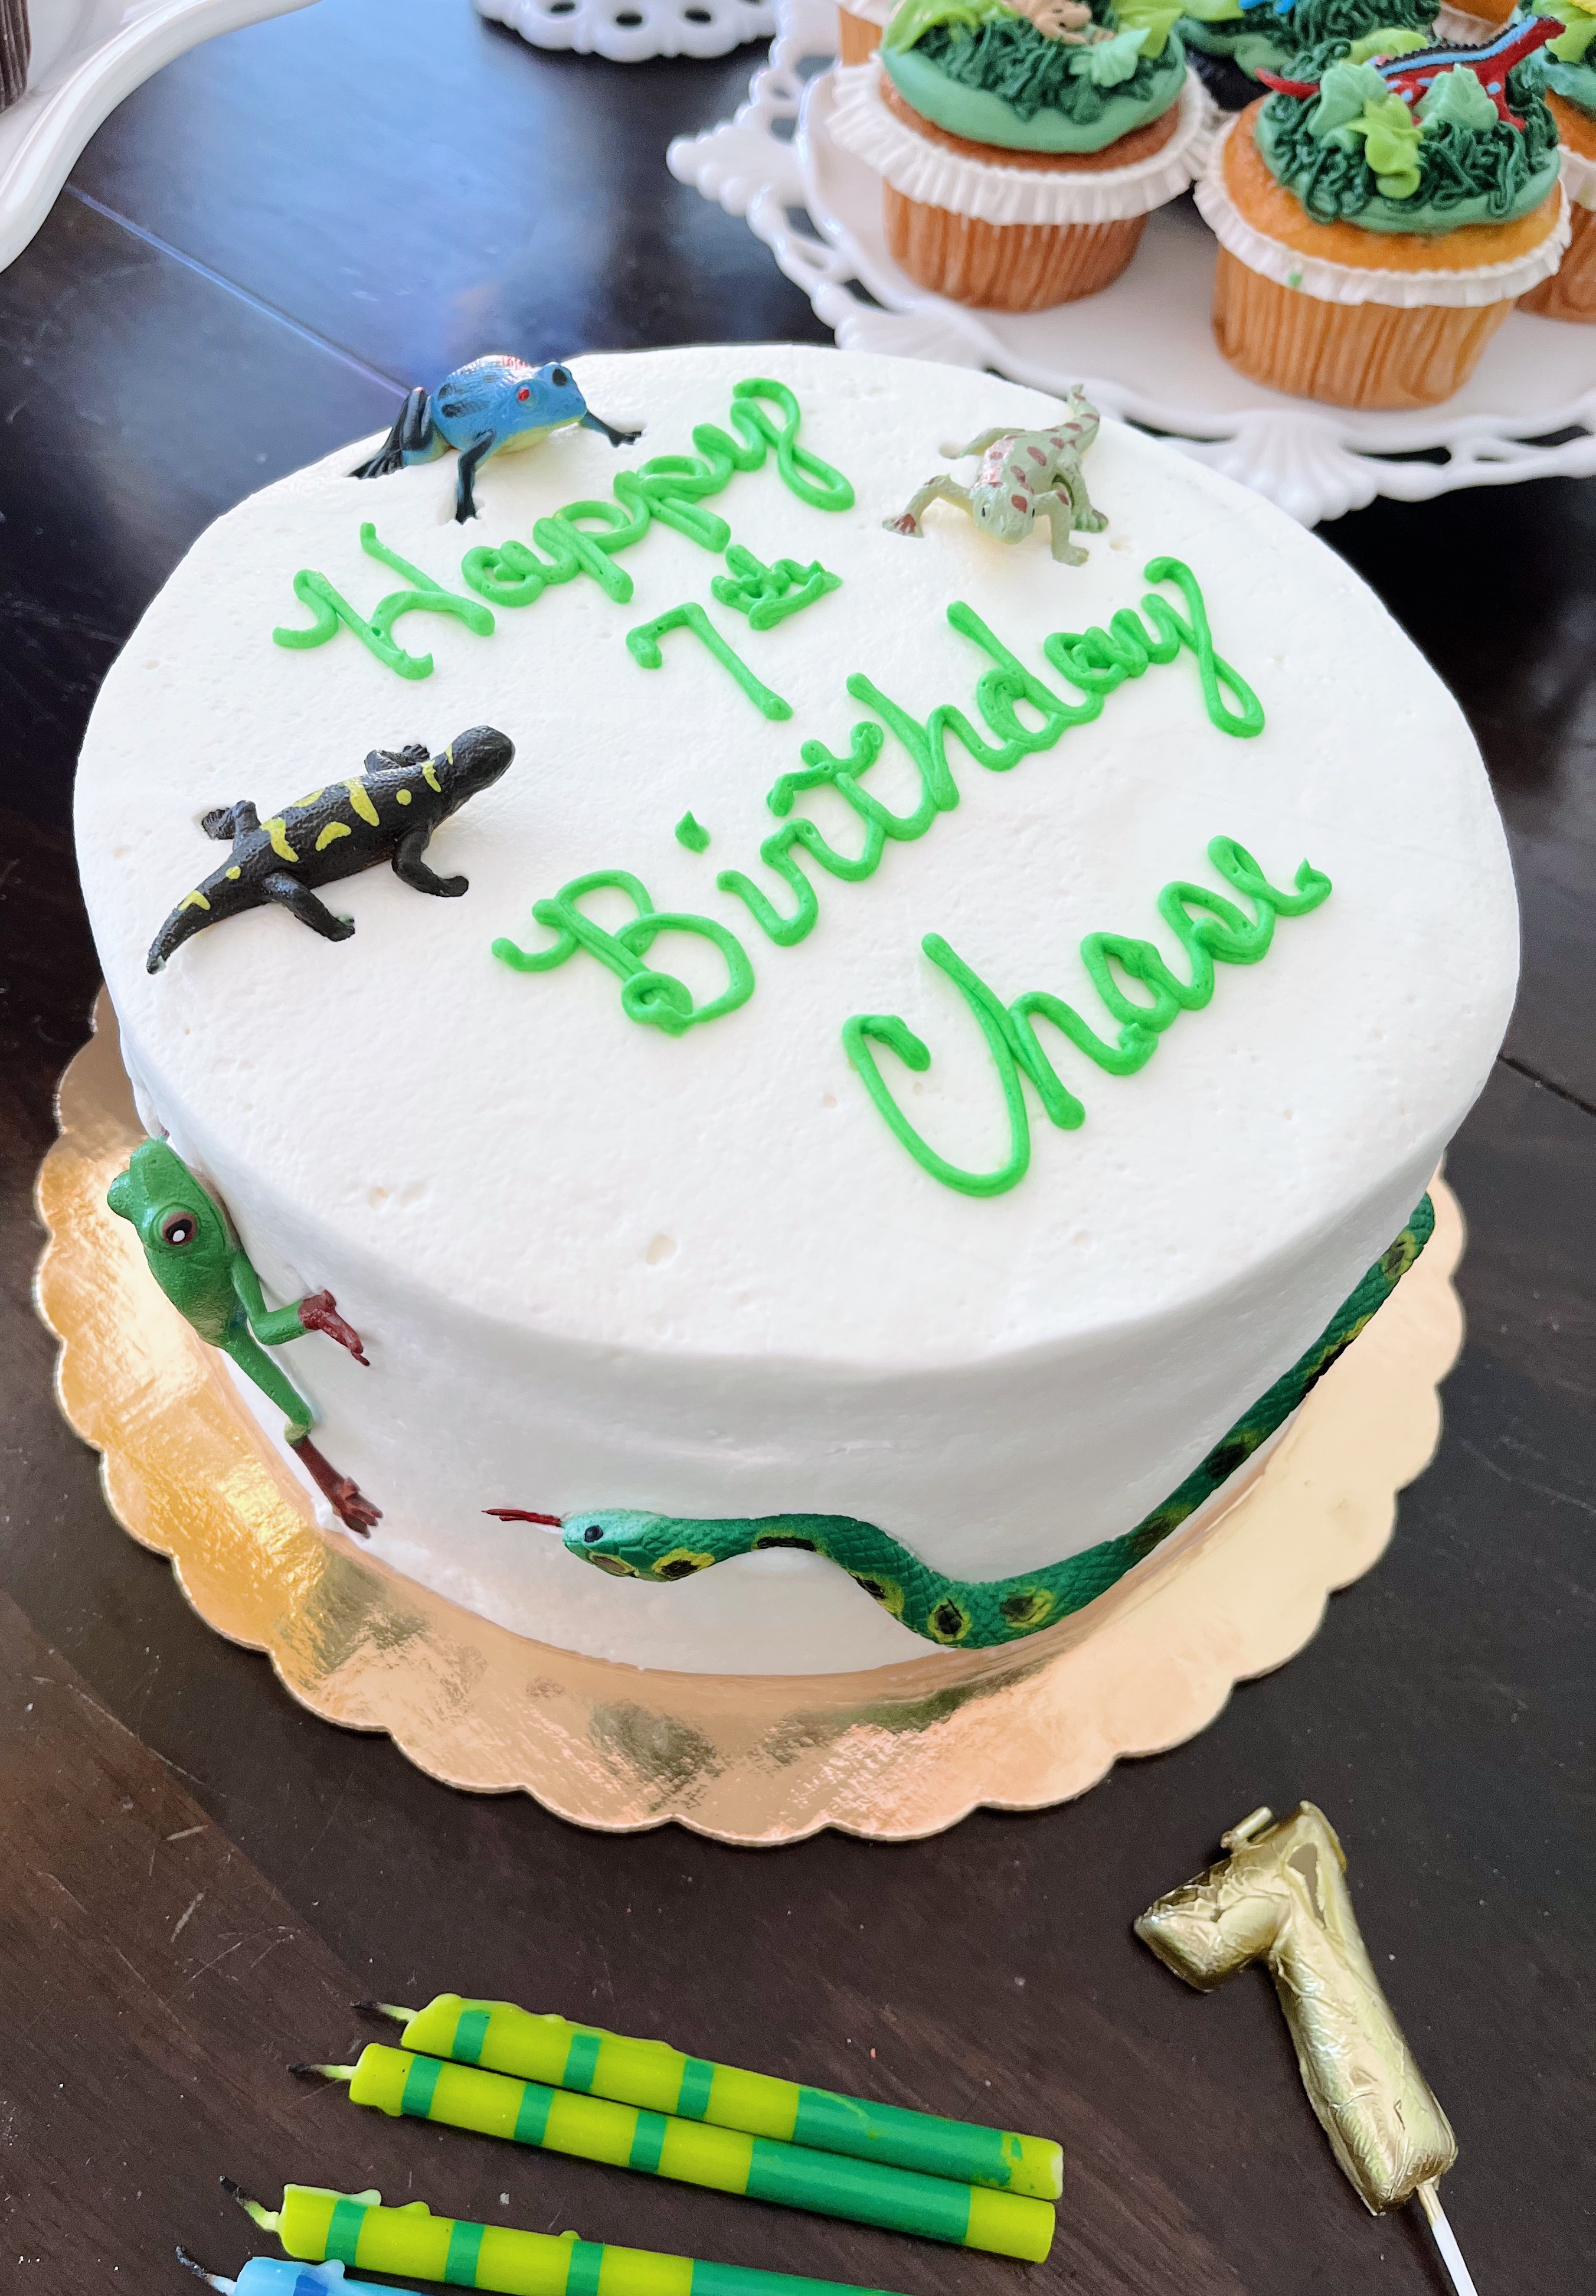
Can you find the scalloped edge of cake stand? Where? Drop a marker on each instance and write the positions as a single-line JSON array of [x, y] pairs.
[[633, 31], [774, 167], [79, 85], [893, 1754]]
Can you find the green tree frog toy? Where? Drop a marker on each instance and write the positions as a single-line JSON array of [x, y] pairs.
[[1024, 475], [205, 1272], [496, 406]]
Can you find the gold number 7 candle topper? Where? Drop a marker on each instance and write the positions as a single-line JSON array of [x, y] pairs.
[[1280, 1897]]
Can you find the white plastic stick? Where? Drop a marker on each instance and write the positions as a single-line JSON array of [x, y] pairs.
[[1452, 2255]]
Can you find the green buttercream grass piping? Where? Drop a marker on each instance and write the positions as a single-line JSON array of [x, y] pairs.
[[1355, 154], [693, 834], [1224, 934]]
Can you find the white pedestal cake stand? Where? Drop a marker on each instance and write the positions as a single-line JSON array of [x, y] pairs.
[[1143, 348], [895, 1753], [631, 31], [87, 55]]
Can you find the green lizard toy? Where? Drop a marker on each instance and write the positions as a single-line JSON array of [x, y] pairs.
[[205, 1272]]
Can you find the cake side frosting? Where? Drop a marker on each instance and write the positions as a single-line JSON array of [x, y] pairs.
[[600, 1264]]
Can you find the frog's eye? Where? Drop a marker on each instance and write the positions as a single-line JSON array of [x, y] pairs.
[[559, 377], [593, 1534], [179, 1229], [523, 392]]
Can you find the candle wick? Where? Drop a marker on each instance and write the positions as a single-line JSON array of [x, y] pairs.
[[211, 2279], [385, 2009], [256, 2210], [325, 2072], [1428, 2197]]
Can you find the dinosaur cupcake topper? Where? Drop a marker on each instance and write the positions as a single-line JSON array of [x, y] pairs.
[[386, 814], [494, 407]]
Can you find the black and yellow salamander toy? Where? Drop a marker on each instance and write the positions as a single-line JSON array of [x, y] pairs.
[[388, 813]]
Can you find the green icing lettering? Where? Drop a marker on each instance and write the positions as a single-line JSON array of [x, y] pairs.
[[648, 995], [767, 594], [583, 537], [1101, 659], [514, 576], [330, 608], [693, 834], [643, 643], [668, 488], [1223, 934], [1094, 661]]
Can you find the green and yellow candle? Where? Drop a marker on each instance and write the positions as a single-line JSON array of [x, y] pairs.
[[657, 2078], [397, 2081], [316, 2226]]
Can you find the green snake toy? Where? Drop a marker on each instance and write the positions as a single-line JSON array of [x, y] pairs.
[[975, 1614]]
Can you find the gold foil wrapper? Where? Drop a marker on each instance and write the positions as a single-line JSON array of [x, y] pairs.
[[1282, 1898], [895, 1753]]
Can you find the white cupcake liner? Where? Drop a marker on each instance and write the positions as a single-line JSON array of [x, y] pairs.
[[1579, 177], [1352, 282], [992, 192]]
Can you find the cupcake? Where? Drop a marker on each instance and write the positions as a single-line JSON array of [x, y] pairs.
[[1021, 153], [859, 29], [1377, 216], [1265, 35], [1568, 74]]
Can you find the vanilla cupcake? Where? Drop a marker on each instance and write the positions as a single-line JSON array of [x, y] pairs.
[[1021, 154], [1377, 217], [1265, 35], [859, 29], [1568, 74]]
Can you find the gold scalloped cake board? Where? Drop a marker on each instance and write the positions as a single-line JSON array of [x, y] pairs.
[[898, 1753]]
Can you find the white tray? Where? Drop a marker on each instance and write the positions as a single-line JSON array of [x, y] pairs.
[[87, 55], [1143, 348]]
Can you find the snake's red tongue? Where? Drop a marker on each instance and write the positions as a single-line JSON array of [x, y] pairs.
[[522, 1514]]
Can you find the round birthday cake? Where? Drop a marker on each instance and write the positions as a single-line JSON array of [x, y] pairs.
[[781, 1032]]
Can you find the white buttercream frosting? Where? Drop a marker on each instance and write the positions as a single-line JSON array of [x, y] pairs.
[[1355, 282], [597, 1266], [991, 190]]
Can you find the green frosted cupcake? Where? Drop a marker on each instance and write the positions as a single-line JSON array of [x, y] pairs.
[[1268, 33], [1567, 73], [979, 70]]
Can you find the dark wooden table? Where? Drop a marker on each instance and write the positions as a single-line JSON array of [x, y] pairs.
[[254, 256]]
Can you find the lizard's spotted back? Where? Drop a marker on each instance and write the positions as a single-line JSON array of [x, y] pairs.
[[388, 813]]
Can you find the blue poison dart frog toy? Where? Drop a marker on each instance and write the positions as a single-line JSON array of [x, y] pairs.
[[494, 407]]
